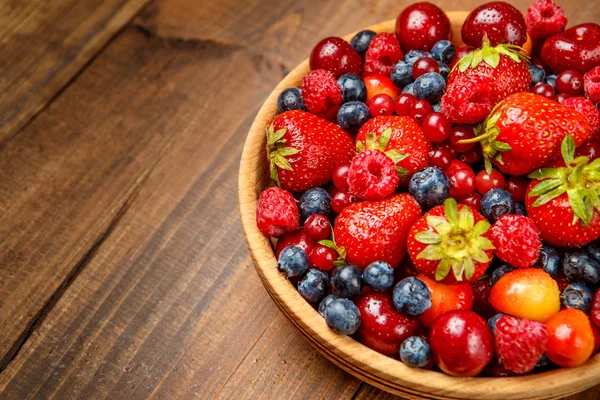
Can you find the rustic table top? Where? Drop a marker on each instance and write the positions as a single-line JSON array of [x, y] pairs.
[[123, 267]]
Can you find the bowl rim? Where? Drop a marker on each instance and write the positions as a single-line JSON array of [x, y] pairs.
[[364, 363]]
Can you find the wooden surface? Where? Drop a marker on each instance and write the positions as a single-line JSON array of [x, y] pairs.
[[123, 268]]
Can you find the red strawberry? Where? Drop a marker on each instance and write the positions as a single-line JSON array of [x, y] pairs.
[[451, 243], [376, 230], [517, 240], [401, 138], [524, 132], [563, 199], [520, 343], [303, 150]]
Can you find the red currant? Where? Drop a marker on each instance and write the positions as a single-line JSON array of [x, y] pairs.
[[517, 187], [404, 103], [472, 156], [441, 158], [544, 89], [340, 177], [590, 149], [436, 127], [420, 109], [455, 166], [473, 200], [341, 200], [381, 104], [322, 257], [317, 227], [462, 132], [562, 97], [424, 65], [569, 82], [462, 183], [486, 182]]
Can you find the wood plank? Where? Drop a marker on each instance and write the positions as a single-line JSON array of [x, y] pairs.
[[45, 44]]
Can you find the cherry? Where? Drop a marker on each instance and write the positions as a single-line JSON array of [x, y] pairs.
[[381, 104], [462, 183], [473, 200], [382, 328], [455, 166], [421, 25], [544, 89], [436, 127], [590, 149], [420, 109], [340, 177], [471, 342], [462, 132], [517, 187], [499, 21], [424, 65], [322, 257], [482, 306], [441, 158], [298, 238], [378, 84], [576, 48], [472, 156], [317, 227], [562, 97], [569, 82], [404, 104], [445, 298], [570, 338], [336, 55], [341, 200], [486, 182]]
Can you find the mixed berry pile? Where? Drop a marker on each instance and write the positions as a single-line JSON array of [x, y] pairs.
[[441, 203]]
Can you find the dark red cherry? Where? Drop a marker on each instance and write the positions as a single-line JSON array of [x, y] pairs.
[[421, 25], [499, 21], [569, 82], [576, 48], [337, 56]]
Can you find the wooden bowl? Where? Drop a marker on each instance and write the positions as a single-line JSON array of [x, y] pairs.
[[368, 365]]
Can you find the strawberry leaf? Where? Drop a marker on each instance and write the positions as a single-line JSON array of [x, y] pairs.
[[396, 156], [546, 197], [274, 175], [432, 252], [329, 244], [477, 58], [465, 219], [384, 139], [582, 208], [501, 146], [468, 267], [428, 237], [402, 173], [281, 161], [458, 268], [567, 149], [488, 165], [451, 210], [371, 141], [480, 256], [443, 269], [491, 57], [339, 263], [465, 62], [287, 151], [440, 224], [480, 228], [548, 173], [545, 186], [359, 146]]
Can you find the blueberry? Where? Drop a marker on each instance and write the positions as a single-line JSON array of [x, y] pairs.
[[520, 209], [352, 115], [342, 316], [360, 42], [414, 55], [411, 296], [444, 70], [353, 88], [437, 107], [293, 262], [495, 203], [579, 266], [290, 99], [577, 295], [538, 75], [551, 80], [493, 321], [409, 89], [402, 74], [378, 275], [499, 273], [315, 201], [544, 363], [429, 186], [593, 250], [430, 86], [346, 281], [549, 260], [323, 304], [443, 51], [313, 287], [415, 352]]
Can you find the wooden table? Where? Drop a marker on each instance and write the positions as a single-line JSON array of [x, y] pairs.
[[123, 268]]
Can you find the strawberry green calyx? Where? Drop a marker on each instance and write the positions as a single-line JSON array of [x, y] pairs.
[[341, 251], [579, 179], [381, 145], [277, 153], [490, 55], [457, 242]]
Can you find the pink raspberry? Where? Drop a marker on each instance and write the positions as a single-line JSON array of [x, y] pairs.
[[320, 92], [544, 18], [468, 100], [372, 175], [587, 108], [520, 343], [277, 212], [517, 240], [382, 55], [591, 84]]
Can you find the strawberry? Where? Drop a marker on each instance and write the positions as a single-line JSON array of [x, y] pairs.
[[376, 230], [525, 130], [451, 238], [303, 150], [563, 199], [401, 138]]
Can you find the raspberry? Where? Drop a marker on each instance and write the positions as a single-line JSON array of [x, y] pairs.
[[383, 54], [277, 212], [517, 240], [591, 84], [321, 92], [467, 100], [520, 343], [372, 175], [544, 18], [595, 311], [587, 108]]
